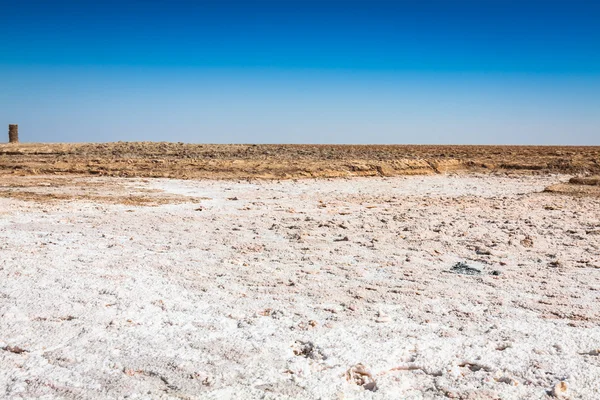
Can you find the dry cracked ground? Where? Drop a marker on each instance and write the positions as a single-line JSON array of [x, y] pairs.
[[422, 287]]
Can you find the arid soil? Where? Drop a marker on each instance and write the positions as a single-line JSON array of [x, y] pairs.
[[470, 286], [578, 186], [45, 188], [186, 161]]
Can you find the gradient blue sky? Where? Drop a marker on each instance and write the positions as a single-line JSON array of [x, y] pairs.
[[479, 72]]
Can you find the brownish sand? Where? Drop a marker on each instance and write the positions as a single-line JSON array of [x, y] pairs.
[[188, 161]]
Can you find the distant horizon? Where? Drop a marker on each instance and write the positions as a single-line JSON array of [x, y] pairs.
[[304, 144], [465, 72]]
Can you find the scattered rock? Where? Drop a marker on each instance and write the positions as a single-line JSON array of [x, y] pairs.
[[303, 325], [308, 350], [295, 236], [359, 375], [508, 380], [344, 239], [482, 251], [14, 349], [269, 312], [382, 318], [464, 269], [560, 390], [266, 312], [496, 272], [245, 323], [527, 242], [555, 264], [585, 180], [503, 346]]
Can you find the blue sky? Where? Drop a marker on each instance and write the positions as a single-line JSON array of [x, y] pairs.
[[480, 72]]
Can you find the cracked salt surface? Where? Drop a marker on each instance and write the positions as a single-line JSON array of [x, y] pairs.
[[255, 298]]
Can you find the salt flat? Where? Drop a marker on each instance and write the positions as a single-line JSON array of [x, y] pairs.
[[310, 289]]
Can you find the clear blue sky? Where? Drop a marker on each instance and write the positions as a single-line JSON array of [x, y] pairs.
[[480, 72]]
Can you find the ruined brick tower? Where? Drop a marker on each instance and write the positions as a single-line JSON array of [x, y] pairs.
[[13, 133]]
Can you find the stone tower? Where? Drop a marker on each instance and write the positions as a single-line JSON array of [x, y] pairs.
[[13, 133]]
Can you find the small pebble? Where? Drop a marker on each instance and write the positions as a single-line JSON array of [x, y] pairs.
[[382, 318], [560, 390]]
